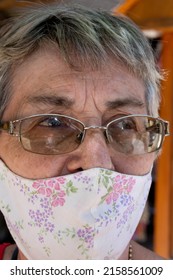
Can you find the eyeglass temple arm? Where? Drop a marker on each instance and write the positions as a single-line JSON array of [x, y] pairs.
[[166, 126], [7, 126]]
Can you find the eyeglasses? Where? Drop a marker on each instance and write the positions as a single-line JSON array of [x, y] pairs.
[[54, 134]]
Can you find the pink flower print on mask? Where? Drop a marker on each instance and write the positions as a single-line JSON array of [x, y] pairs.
[[116, 190], [52, 190], [122, 185], [44, 191], [61, 180], [56, 186], [37, 184], [59, 199], [56, 183], [48, 192], [41, 191], [130, 184], [112, 197], [58, 202], [119, 182]]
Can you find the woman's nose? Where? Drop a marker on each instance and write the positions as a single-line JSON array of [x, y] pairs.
[[92, 152]]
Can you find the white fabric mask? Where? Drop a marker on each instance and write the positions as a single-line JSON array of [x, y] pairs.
[[86, 215]]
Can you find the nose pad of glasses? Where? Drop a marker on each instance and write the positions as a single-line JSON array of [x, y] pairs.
[[108, 137], [79, 137]]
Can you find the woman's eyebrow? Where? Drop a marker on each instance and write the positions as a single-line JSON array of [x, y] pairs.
[[54, 100], [67, 102], [125, 102]]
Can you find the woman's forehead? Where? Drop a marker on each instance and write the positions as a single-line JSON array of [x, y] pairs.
[[45, 74]]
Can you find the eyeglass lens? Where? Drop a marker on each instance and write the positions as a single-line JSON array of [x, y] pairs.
[[50, 135], [136, 135], [60, 134]]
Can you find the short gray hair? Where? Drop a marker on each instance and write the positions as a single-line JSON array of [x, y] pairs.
[[84, 38]]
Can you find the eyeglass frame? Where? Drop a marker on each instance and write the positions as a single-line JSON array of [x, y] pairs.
[[10, 127]]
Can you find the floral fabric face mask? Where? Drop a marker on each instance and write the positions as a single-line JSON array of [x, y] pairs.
[[86, 215]]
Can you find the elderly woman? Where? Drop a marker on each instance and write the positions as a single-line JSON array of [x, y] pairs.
[[79, 132]]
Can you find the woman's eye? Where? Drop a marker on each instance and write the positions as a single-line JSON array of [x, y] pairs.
[[51, 122], [127, 124]]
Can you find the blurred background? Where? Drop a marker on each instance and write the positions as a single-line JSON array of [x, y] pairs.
[[155, 18]]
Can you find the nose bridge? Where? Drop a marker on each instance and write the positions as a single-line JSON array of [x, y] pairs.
[[95, 151], [94, 127]]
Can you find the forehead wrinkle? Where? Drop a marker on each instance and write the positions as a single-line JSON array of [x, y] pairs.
[[90, 90]]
